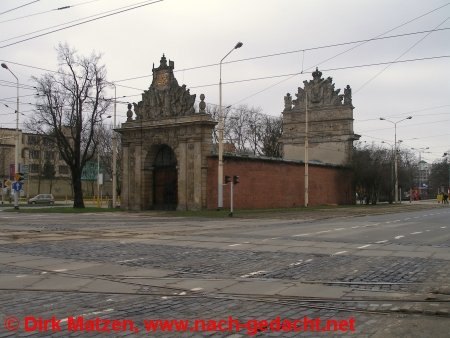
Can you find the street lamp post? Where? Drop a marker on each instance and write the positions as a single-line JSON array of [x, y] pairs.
[[114, 157], [395, 153], [220, 141], [420, 150], [17, 146]]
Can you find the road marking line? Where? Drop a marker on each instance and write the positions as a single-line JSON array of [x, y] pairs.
[[398, 237], [415, 233], [443, 227], [130, 260], [427, 230], [339, 253], [337, 229], [364, 246], [379, 242], [196, 289], [59, 270], [274, 238], [21, 276], [300, 235], [355, 227], [322, 232], [234, 244], [308, 260], [253, 274]]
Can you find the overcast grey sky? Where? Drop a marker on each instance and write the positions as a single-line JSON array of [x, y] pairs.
[[196, 33]]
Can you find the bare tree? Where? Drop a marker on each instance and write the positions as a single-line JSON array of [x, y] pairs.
[[70, 108], [271, 133], [248, 130], [440, 175], [373, 172], [237, 124], [254, 130]]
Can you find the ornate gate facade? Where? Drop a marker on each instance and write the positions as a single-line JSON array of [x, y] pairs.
[[165, 144]]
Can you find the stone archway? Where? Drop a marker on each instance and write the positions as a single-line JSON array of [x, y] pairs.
[[165, 177], [165, 145]]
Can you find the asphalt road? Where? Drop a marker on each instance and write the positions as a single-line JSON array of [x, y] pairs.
[[389, 271]]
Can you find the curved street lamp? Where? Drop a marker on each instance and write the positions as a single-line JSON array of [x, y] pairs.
[[220, 140], [395, 152]]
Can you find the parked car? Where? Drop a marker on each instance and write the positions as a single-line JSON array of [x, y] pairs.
[[42, 199]]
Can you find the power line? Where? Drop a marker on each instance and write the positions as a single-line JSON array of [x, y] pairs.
[[13, 9], [347, 50], [408, 125], [411, 112], [234, 61], [325, 70], [406, 51], [49, 11], [388, 31], [291, 52], [77, 24]]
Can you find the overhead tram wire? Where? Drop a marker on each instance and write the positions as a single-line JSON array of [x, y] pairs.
[[295, 74], [13, 9], [246, 59], [406, 51], [146, 3], [291, 52], [380, 35], [325, 70], [49, 11], [76, 20], [347, 50]]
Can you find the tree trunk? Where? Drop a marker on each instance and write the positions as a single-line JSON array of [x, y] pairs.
[[77, 190]]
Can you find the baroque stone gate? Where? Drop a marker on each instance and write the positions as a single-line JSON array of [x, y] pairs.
[[165, 144]]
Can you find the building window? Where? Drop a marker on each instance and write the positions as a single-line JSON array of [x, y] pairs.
[[63, 170], [35, 168], [32, 139], [48, 142], [49, 155], [35, 154]]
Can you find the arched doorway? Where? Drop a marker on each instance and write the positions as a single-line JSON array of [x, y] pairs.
[[165, 192]]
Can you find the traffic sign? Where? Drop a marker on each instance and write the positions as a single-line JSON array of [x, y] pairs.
[[17, 186]]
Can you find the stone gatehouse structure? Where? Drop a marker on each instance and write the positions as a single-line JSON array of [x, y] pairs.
[[165, 147], [168, 163], [330, 122]]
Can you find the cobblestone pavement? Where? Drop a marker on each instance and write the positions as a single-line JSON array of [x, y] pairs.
[[214, 263], [397, 289]]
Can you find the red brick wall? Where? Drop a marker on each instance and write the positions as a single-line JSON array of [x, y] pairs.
[[278, 184]]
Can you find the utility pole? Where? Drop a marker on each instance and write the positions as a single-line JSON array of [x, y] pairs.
[[306, 152], [395, 152]]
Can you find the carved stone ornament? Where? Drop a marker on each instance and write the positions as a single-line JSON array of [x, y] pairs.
[[129, 113], [321, 92], [202, 104], [164, 98]]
